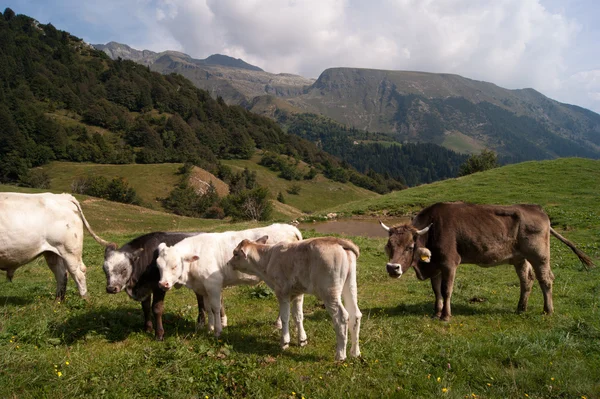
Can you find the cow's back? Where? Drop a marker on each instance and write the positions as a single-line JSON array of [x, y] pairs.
[[34, 223], [483, 234]]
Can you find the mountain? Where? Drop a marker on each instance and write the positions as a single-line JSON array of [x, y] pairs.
[[455, 112], [461, 114], [234, 80]]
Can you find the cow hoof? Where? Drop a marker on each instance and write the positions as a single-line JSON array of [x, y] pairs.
[[285, 346], [159, 338], [304, 342], [224, 321]]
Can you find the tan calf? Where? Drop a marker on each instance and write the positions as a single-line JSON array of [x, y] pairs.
[[324, 267]]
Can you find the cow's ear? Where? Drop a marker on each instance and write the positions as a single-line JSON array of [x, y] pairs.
[[191, 258], [262, 240], [244, 253], [135, 255], [424, 254]]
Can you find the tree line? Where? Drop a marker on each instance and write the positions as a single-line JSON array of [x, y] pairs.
[[60, 99]]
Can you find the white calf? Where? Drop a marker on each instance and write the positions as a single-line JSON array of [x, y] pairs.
[[324, 267], [200, 263]]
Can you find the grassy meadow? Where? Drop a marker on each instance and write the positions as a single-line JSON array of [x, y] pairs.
[[97, 348]]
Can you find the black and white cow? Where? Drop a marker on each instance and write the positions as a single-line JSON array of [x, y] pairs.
[[132, 268]]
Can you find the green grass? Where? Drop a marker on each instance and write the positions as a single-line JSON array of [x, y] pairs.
[[149, 181], [462, 143], [487, 349], [315, 195]]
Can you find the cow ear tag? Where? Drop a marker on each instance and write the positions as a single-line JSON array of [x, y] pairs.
[[424, 255]]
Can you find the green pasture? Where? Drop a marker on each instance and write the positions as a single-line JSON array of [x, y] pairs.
[[314, 196], [151, 182], [97, 348]]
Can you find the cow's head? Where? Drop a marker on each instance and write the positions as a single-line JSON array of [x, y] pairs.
[[240, 261], [171, 265], [118, 267], [403, 249]]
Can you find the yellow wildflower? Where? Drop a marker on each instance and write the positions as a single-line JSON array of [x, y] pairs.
[[59, 374], [67, 363], [438, 379], [552, 379], [444, 390]]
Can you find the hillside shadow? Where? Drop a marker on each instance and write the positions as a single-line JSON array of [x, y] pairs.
[[12, 300], [115, 325]]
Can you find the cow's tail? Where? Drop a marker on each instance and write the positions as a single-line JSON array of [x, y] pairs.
[[349, 246], [586, 260], [98, 239]]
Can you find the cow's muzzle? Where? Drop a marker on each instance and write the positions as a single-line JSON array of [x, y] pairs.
[[112, 289], [394, 270], [164, 285]]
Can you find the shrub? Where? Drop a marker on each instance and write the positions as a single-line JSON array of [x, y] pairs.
[[294, 189], [248, 204], [117, 189], [281, 198], [478, 163]]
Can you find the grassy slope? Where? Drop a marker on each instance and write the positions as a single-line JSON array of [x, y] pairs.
[[315, 195], [157, 180], [149, 181], [486, 351], [567, 188]]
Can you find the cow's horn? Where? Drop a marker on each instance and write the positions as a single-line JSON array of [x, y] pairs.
[[384, 226], [425, 230]]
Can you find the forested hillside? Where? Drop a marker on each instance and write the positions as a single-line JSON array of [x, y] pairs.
[[61, 99], [412, 163]]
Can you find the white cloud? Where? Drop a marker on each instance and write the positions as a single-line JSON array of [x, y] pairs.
[[549, 45]]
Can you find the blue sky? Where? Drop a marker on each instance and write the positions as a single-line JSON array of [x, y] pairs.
[[549, 45]]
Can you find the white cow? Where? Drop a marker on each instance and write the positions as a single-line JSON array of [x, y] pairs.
[[44, 224], [200, 263], [324, 267]]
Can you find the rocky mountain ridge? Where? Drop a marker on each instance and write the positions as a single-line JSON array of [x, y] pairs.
[[458, 113]]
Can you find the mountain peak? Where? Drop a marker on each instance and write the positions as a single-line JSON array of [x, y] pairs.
[[225, 60]]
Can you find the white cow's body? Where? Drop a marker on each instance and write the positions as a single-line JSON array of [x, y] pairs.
[[200, 263], [324, 266], [48, 224]]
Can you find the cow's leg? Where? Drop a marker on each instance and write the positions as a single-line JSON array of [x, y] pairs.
[[350, 295], [284, 312], [201, 320], [340, 317], [222, 313], [526, 277], [56, 264], [147, 309], [298, 315], [545, 278], [436, 285], [214, 302], [158, 308], [76, 269], [448, 274], [209, 315]]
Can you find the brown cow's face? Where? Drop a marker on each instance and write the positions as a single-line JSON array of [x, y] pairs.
[[402, 250]]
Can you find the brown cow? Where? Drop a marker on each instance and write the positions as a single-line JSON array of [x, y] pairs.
[[446, 234]]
